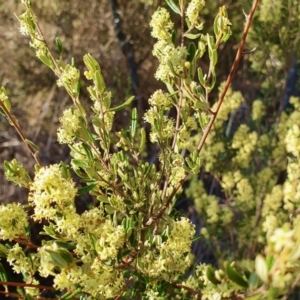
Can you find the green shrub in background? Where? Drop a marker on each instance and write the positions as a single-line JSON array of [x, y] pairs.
[[133, 244]]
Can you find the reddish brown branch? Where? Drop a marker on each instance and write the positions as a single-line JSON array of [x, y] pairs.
[[21, 134], [42, 287], [208, 128], [234, 67]]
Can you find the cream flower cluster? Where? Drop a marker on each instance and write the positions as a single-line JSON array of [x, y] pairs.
[[193, 10], [161, 24], [52, 194], [173, 255], [14, 221], [70, 123]]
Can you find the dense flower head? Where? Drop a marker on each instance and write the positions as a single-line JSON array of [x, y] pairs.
[[160, 99], [69, 78], [174, 254], [193, 10], [282, 238], [168, 54], [161, 24], [258, 110], [13, 221], [70, 123], [19, 261], [293, 140], [51, 193], [245, 143]]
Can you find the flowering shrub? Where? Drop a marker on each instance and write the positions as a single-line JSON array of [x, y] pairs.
[[133, 244]]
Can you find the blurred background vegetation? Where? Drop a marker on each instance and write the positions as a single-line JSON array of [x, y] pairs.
[[117, 34]]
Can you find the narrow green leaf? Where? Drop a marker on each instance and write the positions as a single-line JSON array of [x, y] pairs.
[[173, 6], [234, 276], [210, 42], [68, 295], [270, 261], [173, 37], [109, 209], [80, 163], [254, 281], [102, 198], [3, 275], [216, 27], [87, 151], [143, 139], [86, 189], [172, 69], [213, 79], [122, 106], [7, 104], [201, 77], [65, 245], [210, 274], [59, 45], [191, 52], [133, 122], [3, 251], [99, 81], [32, 145], [49, 230], [201, 105], [192, 36], [214, 57]]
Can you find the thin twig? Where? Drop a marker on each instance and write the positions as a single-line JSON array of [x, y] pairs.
[[41, 287], [13, 121], [124, 290]]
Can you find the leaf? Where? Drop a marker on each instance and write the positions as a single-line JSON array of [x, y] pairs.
[[3, 276], [216, 27], [122, 106], [201, 78], [64, 244], [261, 268], [192, 36], [99, 81], [234, 276], [49, 230], [109, 209], [201, 105], [172, 69], [214, 57], [191, 52], [80, 163], [173, 6], [71, 295], [143, 139], [210, 274], [59, 45], [3, 251], [32, 145], [254, 281], [270, 260], [133, 122], [173, 37], [86, 189], [210, 42], [213, 80]]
